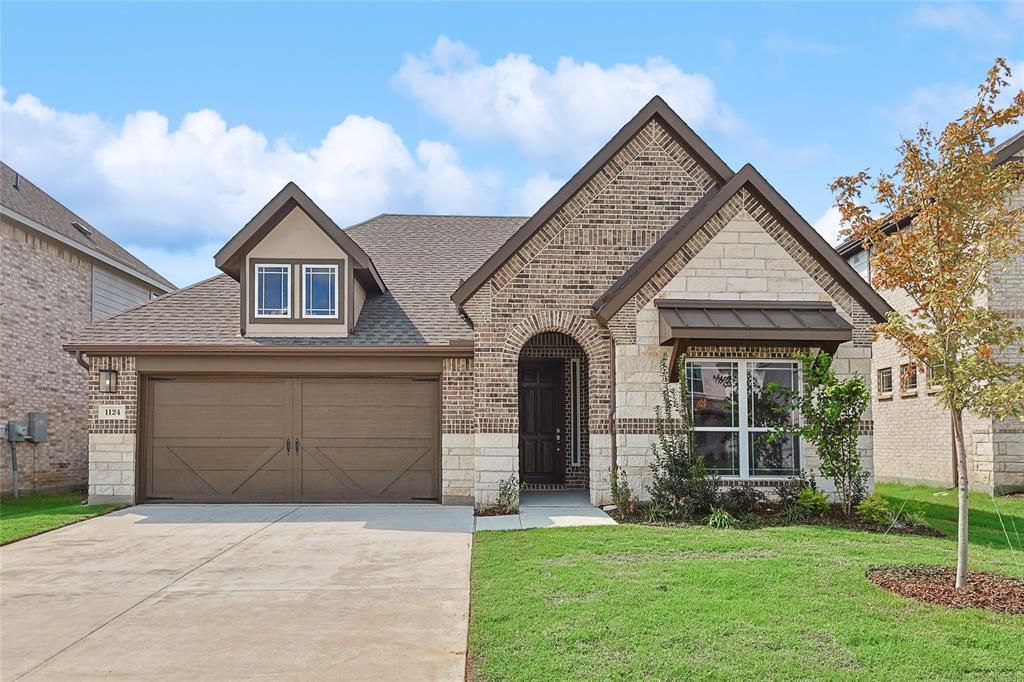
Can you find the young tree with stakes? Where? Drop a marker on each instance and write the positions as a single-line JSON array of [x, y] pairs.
[[940, 226]]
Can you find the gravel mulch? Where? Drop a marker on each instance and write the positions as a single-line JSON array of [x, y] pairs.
[[934, 584]]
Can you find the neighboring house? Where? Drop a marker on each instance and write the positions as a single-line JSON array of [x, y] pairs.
[[433, 357], [58, 273], [913, 435]]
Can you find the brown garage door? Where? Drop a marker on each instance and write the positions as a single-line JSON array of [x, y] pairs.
[[218, 439]]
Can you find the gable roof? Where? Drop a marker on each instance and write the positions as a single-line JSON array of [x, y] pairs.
[[228, 259], [679, 234], [656, 108], [414, 312], [24, 202]]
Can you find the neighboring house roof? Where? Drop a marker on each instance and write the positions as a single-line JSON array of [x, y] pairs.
[[656, 108], [25, 202], [1003, 152], [421, 257], [229, 257], [679, 234]]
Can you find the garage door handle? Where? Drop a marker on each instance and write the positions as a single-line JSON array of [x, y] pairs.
[[298, 447], [289, 445]]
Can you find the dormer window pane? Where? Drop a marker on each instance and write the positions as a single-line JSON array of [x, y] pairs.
[[319, 290], [273, 291]]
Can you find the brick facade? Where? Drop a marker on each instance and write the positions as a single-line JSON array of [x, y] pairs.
[[46, 298], [112, 451]]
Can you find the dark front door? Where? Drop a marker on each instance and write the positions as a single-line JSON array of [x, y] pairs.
[[540, 421]]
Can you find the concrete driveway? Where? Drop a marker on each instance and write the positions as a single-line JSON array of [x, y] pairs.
[[232, 592]]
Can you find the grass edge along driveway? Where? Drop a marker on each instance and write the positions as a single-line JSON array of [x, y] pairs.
[[635, 602], [35, 513]]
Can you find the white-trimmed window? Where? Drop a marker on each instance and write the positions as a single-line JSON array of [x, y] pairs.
[[273, 290], [736, 405], [885, 381], [320, 291]]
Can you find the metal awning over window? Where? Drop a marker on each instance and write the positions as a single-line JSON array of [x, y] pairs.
[[797, 323]]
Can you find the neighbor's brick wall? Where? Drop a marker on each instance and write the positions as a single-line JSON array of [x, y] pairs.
[[745, 254], [45, 298], [550, 284], [112, 443], [913, 442], [559, 346]]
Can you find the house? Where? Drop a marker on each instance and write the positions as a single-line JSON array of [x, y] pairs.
[[57, 274], [434, 357], [913, 441]]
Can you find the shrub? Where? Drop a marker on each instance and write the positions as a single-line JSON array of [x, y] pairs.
[[748, 521], [875, 509], [657, 514], [622, 494], [831, 411], [720, 518], [812, 502], [508, 494], [794, 514], [912, 518], [741, 500], [681, 484], [789, 491]]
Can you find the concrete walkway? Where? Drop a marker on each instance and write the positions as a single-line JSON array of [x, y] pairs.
[[233, 592], [547, 509]]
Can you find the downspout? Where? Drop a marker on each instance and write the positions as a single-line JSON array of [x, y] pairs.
[[612, 430], [82, 360]]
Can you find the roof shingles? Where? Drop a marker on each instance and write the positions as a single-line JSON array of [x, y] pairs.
[[421, 259]]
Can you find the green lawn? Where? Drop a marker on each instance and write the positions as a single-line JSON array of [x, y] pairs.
[[38, 512], [939, 507], [780, 603]]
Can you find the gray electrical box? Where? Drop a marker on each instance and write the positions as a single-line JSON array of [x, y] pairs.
[[37, 427], [16, 431]]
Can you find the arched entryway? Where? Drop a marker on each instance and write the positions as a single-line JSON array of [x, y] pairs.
[[554, 413]]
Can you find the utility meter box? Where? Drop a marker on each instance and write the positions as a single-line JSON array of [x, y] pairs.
[[16, 431], [38, 427]]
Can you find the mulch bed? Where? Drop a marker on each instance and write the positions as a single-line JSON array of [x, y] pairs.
[[493, 511], [935, 585]]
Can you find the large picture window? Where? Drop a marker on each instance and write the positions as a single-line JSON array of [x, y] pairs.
[[319, 290], [273, 290], [736, 405]]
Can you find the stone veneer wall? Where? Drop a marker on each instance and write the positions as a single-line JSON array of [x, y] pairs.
[[112, 443], [46, 298], [745, 254], [551, 282], [562, 347]]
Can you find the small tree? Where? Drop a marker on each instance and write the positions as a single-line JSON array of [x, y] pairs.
[[680, 482], [831, 411], [954, 228]]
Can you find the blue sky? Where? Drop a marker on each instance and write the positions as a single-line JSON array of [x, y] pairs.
[[168, 125]]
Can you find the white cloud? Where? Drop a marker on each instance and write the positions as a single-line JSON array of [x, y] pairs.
[[780, 44], [829, 225], [536, 191], [972, 22], [166, 189], [564, 113]]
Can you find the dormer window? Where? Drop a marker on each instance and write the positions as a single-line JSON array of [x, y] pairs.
[[273, 290], [320, 291]]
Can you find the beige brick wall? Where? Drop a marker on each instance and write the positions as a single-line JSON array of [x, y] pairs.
[[913, 434], [45, 298]]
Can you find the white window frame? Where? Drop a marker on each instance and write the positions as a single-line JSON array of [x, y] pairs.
[[337, 299], [882, 391], [743, 429], [576, 414], [257, 288]]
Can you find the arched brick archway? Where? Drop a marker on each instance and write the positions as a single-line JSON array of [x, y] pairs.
[[583, 331]]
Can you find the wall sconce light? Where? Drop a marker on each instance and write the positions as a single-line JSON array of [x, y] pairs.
[[108, 381]]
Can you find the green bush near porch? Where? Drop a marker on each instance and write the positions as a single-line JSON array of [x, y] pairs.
[[35, 513], [779, 603]]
